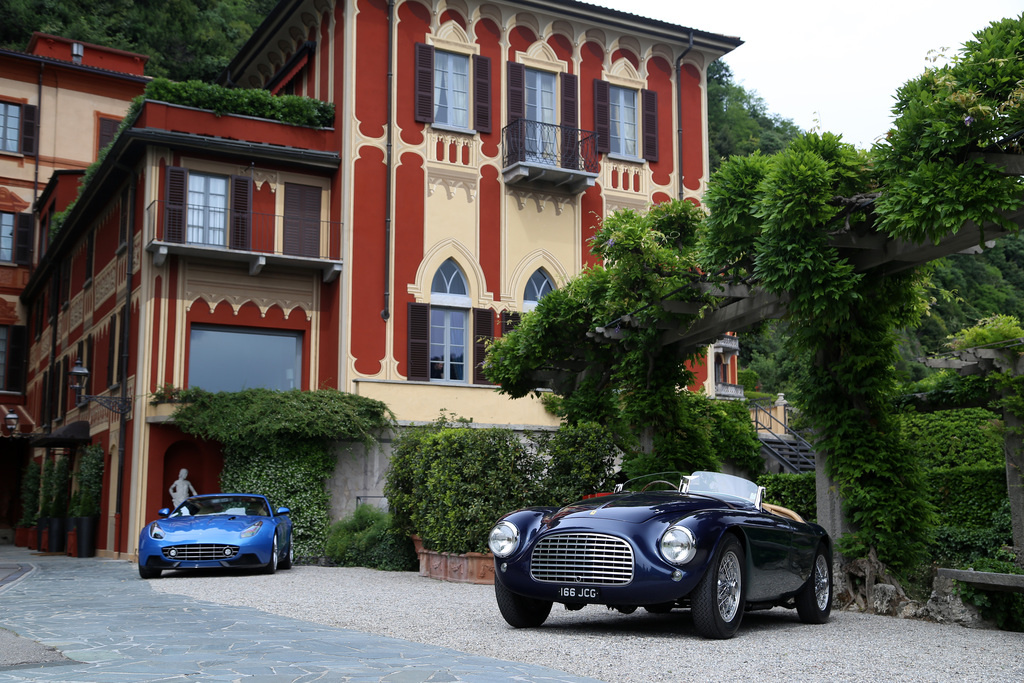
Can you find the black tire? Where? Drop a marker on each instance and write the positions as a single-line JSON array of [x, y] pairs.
[[520, 611], [286, 562], [716, 604], [814, 601], [271, 566], [149, 572]]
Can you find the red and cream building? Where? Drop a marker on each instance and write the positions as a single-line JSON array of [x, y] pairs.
[[475, 148], [61, 101]]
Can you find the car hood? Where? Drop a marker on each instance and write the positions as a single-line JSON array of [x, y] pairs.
[[633, 507], [202, 523]]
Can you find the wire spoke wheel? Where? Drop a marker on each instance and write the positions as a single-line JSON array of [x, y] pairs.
[[729, 584]]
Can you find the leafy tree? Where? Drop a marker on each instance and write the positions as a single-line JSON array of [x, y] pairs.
[[185, 39], [739, 122], [634, 383]]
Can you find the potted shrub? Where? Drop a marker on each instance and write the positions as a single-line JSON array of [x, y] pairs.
[[25, 535], [448, 484], [85, 509], [56, 505], [45, 494]]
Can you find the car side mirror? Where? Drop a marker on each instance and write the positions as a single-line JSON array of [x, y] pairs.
[[163, 512], [283, 511]]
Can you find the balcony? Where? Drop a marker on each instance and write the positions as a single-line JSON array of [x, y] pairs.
[[729, 392], [728, 344], [549, 156], [254, 238]]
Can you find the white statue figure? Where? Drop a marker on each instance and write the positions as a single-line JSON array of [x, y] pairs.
[[181, 489]]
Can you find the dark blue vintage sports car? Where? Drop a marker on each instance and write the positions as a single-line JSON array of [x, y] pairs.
[[707, 542], [218, 530]]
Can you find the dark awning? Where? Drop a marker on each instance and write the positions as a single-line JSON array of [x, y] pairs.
[[70, 434]]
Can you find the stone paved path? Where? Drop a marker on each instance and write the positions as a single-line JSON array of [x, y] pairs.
[[92, 620]]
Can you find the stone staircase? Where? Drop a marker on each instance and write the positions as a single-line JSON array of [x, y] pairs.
[[782, 448]]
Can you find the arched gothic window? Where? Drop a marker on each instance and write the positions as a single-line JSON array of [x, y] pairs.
[[449, 321], [537, 287]]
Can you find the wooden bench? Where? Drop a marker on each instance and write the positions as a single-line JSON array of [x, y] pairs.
[[1008, 583]]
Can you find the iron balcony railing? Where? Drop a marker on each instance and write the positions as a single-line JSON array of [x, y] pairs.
[[256, 238], [546, 144]]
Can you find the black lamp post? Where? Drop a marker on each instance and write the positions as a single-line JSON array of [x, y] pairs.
[[11, 422], [77, 376]]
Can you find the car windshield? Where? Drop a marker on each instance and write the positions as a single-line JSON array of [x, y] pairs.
[[717, 484], [707, 483], [223, 505]]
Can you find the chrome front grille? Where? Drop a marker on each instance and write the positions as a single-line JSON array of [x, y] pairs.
[[197, 552], [582, 558]]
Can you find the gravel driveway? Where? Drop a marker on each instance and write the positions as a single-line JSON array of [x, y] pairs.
[[635, 648]]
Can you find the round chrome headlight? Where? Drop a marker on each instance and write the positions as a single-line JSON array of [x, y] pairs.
[[677, 545], [504, 539]]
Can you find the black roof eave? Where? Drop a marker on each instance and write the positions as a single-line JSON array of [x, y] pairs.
[[703, 40]]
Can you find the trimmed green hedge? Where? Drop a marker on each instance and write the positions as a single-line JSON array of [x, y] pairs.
[[794, 491], [955, 438], [301, 111], [369, 538], [967, 496], [450, 483]]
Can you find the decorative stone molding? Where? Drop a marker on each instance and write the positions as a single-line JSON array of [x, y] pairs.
[[261, 176], [541, 200], [452, 181]]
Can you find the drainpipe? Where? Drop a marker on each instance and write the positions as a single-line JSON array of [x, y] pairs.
[[122, 431], [39, 126], [679, 106], [385, 314]]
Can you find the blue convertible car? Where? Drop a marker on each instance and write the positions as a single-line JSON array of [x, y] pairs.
[[707, 542], [218, 530]]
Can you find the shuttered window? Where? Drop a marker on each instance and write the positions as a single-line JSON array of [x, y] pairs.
[[302, 220], [30, 130], [7, 222], [424, 95], [649, 101], [442, 89], [516, 91], [241, 213], [451, 89], [445, 337], [602, 125], [617, 121], [10, 127], [419, 342], [107, 132], [482, 93], [12, 358], [622, 121], [23, 239], [483, 332], [175, 203], [206, 209], [437, 343], [509, 321]]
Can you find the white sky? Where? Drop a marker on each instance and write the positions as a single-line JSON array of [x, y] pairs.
[[830, 65]]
